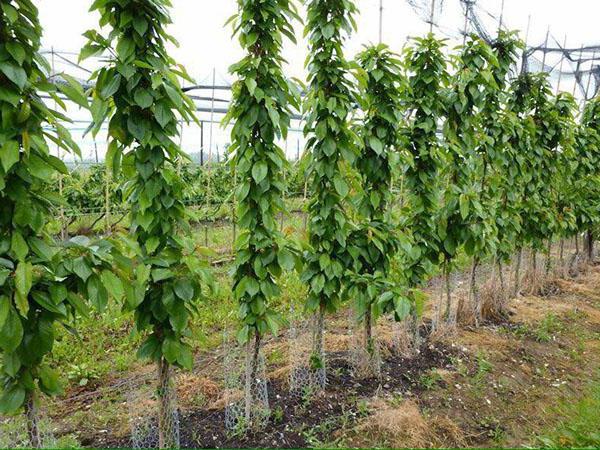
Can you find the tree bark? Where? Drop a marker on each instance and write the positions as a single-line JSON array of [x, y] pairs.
[[518, 273], [589, 245], [369, 332], [448, 313], [167, 434], [475, 300], [252, 355], [549, 256], [33, 420], [318, 355]]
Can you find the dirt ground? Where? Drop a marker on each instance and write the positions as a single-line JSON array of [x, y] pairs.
[[494, 385]]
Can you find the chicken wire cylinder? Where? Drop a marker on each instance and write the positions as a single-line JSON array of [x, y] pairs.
[[246, 388], [16, 432], [365, 356], [154, 415], [303, 379]]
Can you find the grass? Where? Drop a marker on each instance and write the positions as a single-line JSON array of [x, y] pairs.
[[581, 428]]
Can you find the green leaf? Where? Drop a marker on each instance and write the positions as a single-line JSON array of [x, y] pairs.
[[81, 268], [286, 259], [50, 381], [16, 51], [15, 74], [9, 154], [184, 290], [170, 350], [259, 171], [12, 399], [112, 283], [11, 333], [250, 84], [143, 98], [341, 186], [23, 283], [4, 309], [111, 87], [464, 206]]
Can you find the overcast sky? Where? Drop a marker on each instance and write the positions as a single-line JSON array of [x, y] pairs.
[[205, 44]]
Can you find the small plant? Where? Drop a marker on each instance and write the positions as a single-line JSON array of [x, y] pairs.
[[548, 327], [82, 374], [430, 380], [277, 414]]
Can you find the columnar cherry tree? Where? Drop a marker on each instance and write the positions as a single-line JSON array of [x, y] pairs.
[[563, 153], [520, 104], [539, 220], [262, 98], [505, 130], [584, 192], [41, 281], [139, 93], [332, 145], [374, 243], [427, 80], [497, 159], [461, 221]]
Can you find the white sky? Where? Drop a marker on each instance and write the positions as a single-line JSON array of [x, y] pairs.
[[206, 45]]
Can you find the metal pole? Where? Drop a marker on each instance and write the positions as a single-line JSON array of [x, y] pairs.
[[524, 57], [466, 24], [562, 59], [431, 17], [380, 21], [501, 17], [61, 211], [201, 143], [575, 83], [587, 88], [545, 47]]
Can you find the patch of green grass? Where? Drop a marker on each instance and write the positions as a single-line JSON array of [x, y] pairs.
[[581, 428], [430, 380]]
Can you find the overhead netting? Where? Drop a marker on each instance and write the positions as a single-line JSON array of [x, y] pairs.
[[571, 68]]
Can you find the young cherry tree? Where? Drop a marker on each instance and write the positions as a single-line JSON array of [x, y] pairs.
[[332, 146], [584, 192], [460, 218], [139, 93], [427, 79], [520, 104], [539, 220], [41, 281], [374, 243], [509, 163], [262, 98]]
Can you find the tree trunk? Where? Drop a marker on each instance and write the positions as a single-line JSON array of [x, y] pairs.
[[167, 432], [549, 256], [33, 420], [369, 345], [448, 313], [475, 300], [252, 356], [561, 253], [318, 355], [518, 273], [502, 285], [589, 245]]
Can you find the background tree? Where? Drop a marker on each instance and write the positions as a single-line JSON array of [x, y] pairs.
[[427, 79], [262, 98], [459, 222], [332, 146], [41, 281], [139, 93], [373, 244]]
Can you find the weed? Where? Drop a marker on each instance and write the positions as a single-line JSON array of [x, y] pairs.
[[430, 380]]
